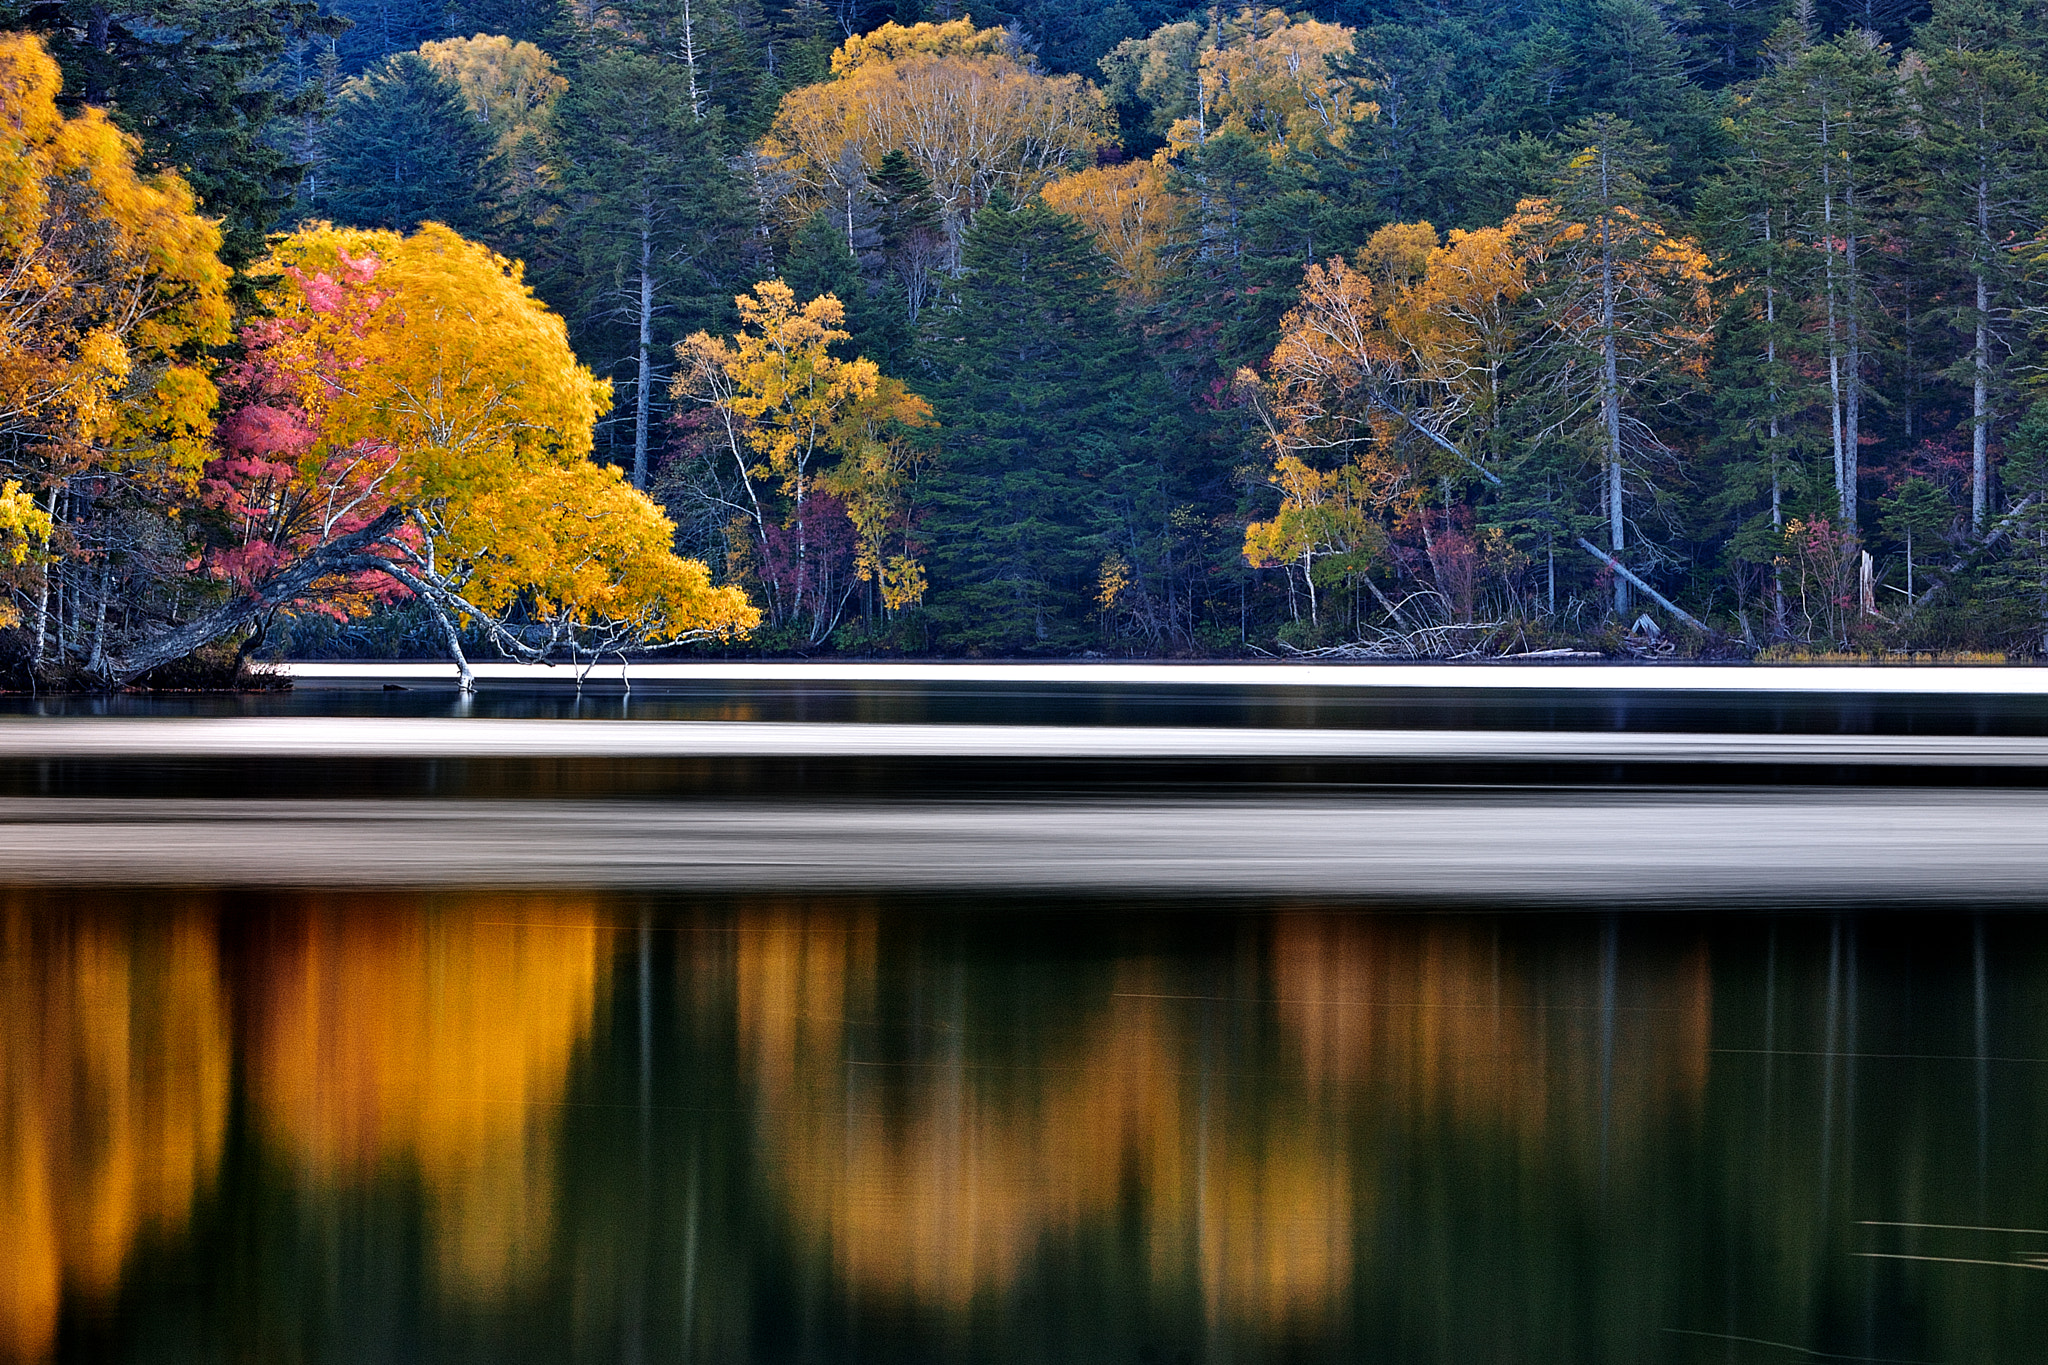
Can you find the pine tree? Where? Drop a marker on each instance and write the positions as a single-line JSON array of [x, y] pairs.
[[1982, 156], [654, 229], [379, 29], [1053, 454], [403, 149]]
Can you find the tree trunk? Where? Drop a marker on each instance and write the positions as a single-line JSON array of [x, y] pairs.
[[1610, 401], [1852, 387], [1827, 218], [346, 555], [1777, 484], [1980, 395], [645, 380]]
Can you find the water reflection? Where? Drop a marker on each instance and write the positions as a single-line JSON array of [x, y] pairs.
[[556, 1128], [114, 1066], [437, 1042]]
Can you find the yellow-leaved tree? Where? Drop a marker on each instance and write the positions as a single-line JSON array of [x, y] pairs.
[[1135, 214], [1373, 392], [972, 112], [510, 86], [1278, 79], [111, 289], [410, 421], [824, 470]]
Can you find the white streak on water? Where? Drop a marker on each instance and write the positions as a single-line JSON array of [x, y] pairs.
[[1898, 680], [1643, 847], [34, 738]]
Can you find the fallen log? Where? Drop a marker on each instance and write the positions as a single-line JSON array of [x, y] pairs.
[[1659, 598]]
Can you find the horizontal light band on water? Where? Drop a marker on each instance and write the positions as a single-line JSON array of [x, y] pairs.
[[1641, 848], [27, 738], [1902, 680]]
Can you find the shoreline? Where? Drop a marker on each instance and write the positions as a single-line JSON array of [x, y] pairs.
[[1563, 676]]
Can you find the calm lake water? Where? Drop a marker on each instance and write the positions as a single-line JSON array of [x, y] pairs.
[[778, 1124], [556, 1127]]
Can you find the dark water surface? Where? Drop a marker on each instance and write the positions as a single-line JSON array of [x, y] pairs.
[[1102, 1091], [554, 1127]]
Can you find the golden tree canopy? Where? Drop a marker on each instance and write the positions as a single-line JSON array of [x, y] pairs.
[[1379, 369], [786, 408], [1134, 214], [972, 115], [411, 390], [1255, 70], [507, 84], [110, 284]]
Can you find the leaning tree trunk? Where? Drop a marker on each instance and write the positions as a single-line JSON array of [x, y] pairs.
[[349, 554]]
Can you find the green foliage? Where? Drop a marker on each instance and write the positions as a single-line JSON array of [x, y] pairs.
[[1052, 449], [403, 149], [653, 232]]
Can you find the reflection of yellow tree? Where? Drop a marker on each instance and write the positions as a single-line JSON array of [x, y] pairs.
[[114, 1067], [1434, 1021], [442, 1040], [940, 1182]]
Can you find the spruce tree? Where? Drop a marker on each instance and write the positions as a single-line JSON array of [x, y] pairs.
[[655, 233], [403, 149], [819, 262], [1982, 165], [1055, 452]]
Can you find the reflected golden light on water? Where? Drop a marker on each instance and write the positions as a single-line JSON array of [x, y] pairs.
[[436, 1041], [941, 1180], [114, 1073], [1434, 1022], [941, 1177]]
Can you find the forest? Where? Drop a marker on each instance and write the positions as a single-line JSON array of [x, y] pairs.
[[1372, 328]]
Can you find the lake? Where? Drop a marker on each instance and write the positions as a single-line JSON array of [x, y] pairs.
[[1474, 1040]]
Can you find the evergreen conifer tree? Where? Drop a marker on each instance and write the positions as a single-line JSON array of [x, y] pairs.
[[1056, 455], [379, 29], [1982, 165], [403, 149], [547, 24], [819, 262], [655, 231], [910, 235], [192, 80]]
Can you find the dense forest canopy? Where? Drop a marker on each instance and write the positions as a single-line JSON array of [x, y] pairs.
[[1363, 327]]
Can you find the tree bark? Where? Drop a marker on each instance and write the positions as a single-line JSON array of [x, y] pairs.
[[645, 379], [349, 554]]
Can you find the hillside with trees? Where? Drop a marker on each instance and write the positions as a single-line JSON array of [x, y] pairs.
[[1363, 329]]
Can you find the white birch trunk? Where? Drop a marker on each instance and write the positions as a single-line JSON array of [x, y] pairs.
[[645, 381]]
